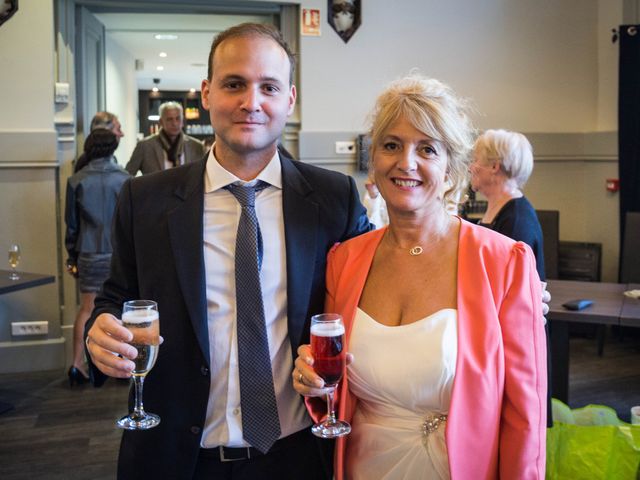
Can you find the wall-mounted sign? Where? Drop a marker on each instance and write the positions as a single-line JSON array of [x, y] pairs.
[[310, 22], [344, 17]]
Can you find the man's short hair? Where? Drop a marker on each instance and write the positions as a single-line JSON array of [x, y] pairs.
[[103, 120], [170, 106], [252, 30]]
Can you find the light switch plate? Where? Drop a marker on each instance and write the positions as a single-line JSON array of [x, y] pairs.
[[62, 92]]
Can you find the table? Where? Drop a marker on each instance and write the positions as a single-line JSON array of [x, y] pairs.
[[630, 316], [607, 309], [26, 280]]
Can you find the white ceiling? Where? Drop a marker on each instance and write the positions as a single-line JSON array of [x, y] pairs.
[[186, 62]]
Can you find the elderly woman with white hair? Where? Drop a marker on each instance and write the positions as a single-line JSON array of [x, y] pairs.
[[502, 164]]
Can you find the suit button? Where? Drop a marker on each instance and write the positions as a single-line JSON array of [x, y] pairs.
[[204, 370], [195, 430]]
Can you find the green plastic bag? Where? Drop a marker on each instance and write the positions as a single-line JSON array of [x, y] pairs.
[[591, 443]]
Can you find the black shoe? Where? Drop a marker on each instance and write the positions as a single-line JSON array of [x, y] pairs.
[[97, 377], [76, 376]]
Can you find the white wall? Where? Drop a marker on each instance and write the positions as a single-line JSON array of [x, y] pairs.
[[28, 182], [529, 65], [122, 95], [26, 72], [609, 17]]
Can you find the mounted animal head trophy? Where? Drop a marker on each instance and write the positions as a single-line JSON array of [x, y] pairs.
[[344, 17], [7, 9]]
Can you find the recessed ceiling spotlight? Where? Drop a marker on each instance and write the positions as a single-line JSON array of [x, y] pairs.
[[159, 68], [192, 90], [162, 54], [166, 36], [155, 89]]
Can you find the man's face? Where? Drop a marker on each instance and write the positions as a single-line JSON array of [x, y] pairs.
[[117, 129], [248, 97], [171, 122]]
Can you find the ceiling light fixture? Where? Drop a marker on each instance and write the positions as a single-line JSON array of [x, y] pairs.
[[165, 36], [162, 54], [192, 90], [155, 89], [159, 68]]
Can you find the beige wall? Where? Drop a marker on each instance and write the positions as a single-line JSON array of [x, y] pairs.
[[28, 182]]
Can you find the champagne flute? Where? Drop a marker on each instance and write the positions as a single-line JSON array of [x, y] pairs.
[[141, 318], [14, 260], [329, 360]]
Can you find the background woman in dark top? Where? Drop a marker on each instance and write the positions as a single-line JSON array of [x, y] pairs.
[[502, 164], [92, 193]]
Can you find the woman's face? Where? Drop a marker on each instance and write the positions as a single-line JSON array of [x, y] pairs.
[[482, 171], [410, 168]]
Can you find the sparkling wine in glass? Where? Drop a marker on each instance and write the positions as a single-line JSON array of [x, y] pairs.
[[141, 318], [14, 260], [329, 360]]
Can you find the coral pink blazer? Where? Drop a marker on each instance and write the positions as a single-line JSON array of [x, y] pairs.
[[497, 417]]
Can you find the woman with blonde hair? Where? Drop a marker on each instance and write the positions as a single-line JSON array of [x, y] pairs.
[[443, 317]]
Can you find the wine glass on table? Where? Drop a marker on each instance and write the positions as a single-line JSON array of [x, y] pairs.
[[141, 318], [14, 260], [329, 360]]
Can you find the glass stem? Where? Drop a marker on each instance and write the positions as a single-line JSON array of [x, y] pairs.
[[331, 415], [138, 409]]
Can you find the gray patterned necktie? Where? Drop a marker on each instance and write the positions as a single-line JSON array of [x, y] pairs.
[[260, 421]]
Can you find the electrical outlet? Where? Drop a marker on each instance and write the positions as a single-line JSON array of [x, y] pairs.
[[345, 147], [29, 328]]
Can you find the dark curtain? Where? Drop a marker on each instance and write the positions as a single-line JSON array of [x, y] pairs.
[[629, 122]]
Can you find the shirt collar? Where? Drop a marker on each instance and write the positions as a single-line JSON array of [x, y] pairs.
[[217, 177]]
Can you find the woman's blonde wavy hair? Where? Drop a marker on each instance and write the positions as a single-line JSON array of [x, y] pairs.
[[436, 110]]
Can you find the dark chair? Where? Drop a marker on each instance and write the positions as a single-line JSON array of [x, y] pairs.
[[550, 224], [582, 261], [629, 256]]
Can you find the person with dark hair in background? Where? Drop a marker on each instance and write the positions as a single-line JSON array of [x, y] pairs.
[[91, 199], [233, 248], [168, 148], [100, 120]]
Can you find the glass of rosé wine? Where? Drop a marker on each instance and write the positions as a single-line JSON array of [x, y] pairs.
[[329, 361]]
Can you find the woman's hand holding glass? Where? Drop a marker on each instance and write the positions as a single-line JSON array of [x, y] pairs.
[[305, 379], [327, 354]]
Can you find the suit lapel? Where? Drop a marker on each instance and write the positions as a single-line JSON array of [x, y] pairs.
[[186, 233], [300, 227]]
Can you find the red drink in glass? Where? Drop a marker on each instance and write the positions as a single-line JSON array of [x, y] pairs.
[[327, 341], [329, 360]]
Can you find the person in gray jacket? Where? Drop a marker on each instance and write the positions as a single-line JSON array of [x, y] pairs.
[[169, 147], [92, 193]]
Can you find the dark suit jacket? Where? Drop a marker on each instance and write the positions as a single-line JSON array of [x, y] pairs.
[[158, 255]]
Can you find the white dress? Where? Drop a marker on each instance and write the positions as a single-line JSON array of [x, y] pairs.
[[402, 376]]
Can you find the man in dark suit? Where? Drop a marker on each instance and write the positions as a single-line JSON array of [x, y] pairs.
[[175, 242]]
